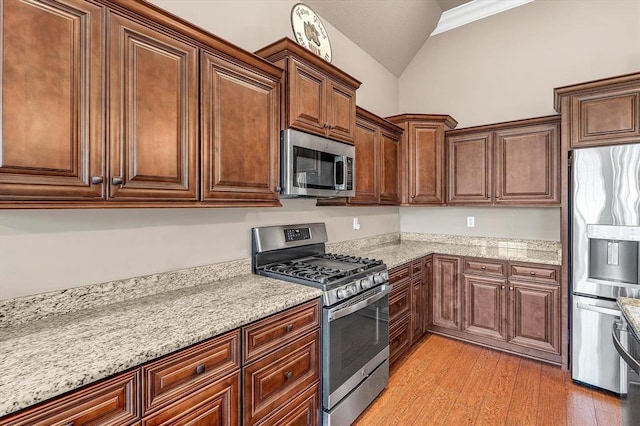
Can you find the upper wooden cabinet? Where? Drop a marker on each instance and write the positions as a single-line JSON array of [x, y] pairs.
[[514, 163], [601, 112], [377, 144], [118, 94], [422, 155], [153, 113], [240, 133], [52, 114], [318, 97]]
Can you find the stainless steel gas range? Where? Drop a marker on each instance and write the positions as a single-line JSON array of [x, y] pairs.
[[355, 327]]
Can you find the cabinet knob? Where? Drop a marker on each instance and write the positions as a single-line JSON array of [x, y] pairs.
[[483, 267], [325, 125], [413, 196], [532, 273], [96, 179], [502, 287], [288, 328], [117, 180], [288, 375], [69, 423], [331, 127], [511, 288], [277, 189], [200, 369]]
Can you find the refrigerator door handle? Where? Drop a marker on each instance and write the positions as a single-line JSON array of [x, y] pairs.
[[598, 309]]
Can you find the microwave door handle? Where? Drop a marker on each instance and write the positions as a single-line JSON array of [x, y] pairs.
[[342, 184]]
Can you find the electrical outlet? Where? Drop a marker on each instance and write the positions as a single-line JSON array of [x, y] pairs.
[[356, 224], [471, 221]]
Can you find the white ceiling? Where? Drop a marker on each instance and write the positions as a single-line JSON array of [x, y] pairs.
[[391, 31]]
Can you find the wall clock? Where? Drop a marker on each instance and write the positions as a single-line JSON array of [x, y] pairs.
[[309, 31]]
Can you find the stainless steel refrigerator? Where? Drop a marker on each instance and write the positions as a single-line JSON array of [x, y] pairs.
[[605, 257]]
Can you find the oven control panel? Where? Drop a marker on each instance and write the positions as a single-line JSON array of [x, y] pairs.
[[297, 234]]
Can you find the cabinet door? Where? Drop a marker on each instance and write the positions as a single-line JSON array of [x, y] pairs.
[[240, 133], [446, 297], [307, 99], [427, 289], [215, 404], [389, 169], [367, 164], [51, 145], [341, 111], [527, 163], [470, 172], [534, 316], [153, 113], [417, 309], [426, 163], [607, 116], [485, 307]]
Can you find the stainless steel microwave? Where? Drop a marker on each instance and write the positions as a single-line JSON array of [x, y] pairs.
[[313, 166]]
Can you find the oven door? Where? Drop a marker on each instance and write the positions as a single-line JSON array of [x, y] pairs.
[[355, 342]]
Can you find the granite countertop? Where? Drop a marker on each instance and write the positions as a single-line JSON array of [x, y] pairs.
[[631, 310], [404, 251], [45, 358]]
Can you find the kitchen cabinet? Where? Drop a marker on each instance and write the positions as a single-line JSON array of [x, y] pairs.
[[153, 113], [318, 97], [512, 306], [514, 163], [114, 401], [119, 103], [60, 155], [446, 293], [417, 300], [377, 163], [601, 112], [428, 285], [281, 373], [422, 157], [240, 133]]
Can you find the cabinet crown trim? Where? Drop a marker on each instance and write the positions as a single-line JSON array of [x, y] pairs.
[[287, 47], [375, 119], [448, 121], [506, 124]]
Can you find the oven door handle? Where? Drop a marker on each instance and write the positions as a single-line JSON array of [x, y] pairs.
[[631, 362], [337, 314]]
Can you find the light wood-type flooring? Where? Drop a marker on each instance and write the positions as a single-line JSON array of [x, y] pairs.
[[447, 382]]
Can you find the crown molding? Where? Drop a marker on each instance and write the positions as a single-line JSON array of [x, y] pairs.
[[474, 11]]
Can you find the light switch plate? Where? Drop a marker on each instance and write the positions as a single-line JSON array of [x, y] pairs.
[[471, 221]]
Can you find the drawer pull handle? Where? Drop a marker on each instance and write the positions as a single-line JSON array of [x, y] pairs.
[[288, 375], [200, 369], [483, 267], [532, 273], [288, 328]]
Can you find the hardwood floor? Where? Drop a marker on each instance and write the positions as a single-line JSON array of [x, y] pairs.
[[448, 382]]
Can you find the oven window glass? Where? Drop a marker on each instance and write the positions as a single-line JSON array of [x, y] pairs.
[[355, 339], [313, 169]]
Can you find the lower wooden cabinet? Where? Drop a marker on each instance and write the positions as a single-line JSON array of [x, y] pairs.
[[399, 339], [446, 293], [111, 402], [485, 307]]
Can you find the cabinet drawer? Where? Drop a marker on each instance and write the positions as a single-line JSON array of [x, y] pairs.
[[112, 402], [484, 267], [301, 411], [270, 333], [416, 268], [278, 377], [399, 339], [399, 302], [175, 376], [399, 273], [534, 272], [216, 404]]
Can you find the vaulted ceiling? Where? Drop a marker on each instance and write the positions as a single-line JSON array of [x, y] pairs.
[[391, 31]]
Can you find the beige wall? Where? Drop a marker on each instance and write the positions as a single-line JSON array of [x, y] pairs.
[[51, 250], [505, 67], [525, 223]]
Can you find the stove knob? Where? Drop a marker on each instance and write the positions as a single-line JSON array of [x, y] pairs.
[[342, 293], [353, 289], [378, 278], [365, 283], [385, 275]]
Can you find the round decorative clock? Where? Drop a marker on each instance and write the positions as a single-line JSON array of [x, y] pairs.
[[309, 31]]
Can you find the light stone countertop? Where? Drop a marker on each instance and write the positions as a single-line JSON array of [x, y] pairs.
[[395, 254], [43, 359], [631, 310]]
